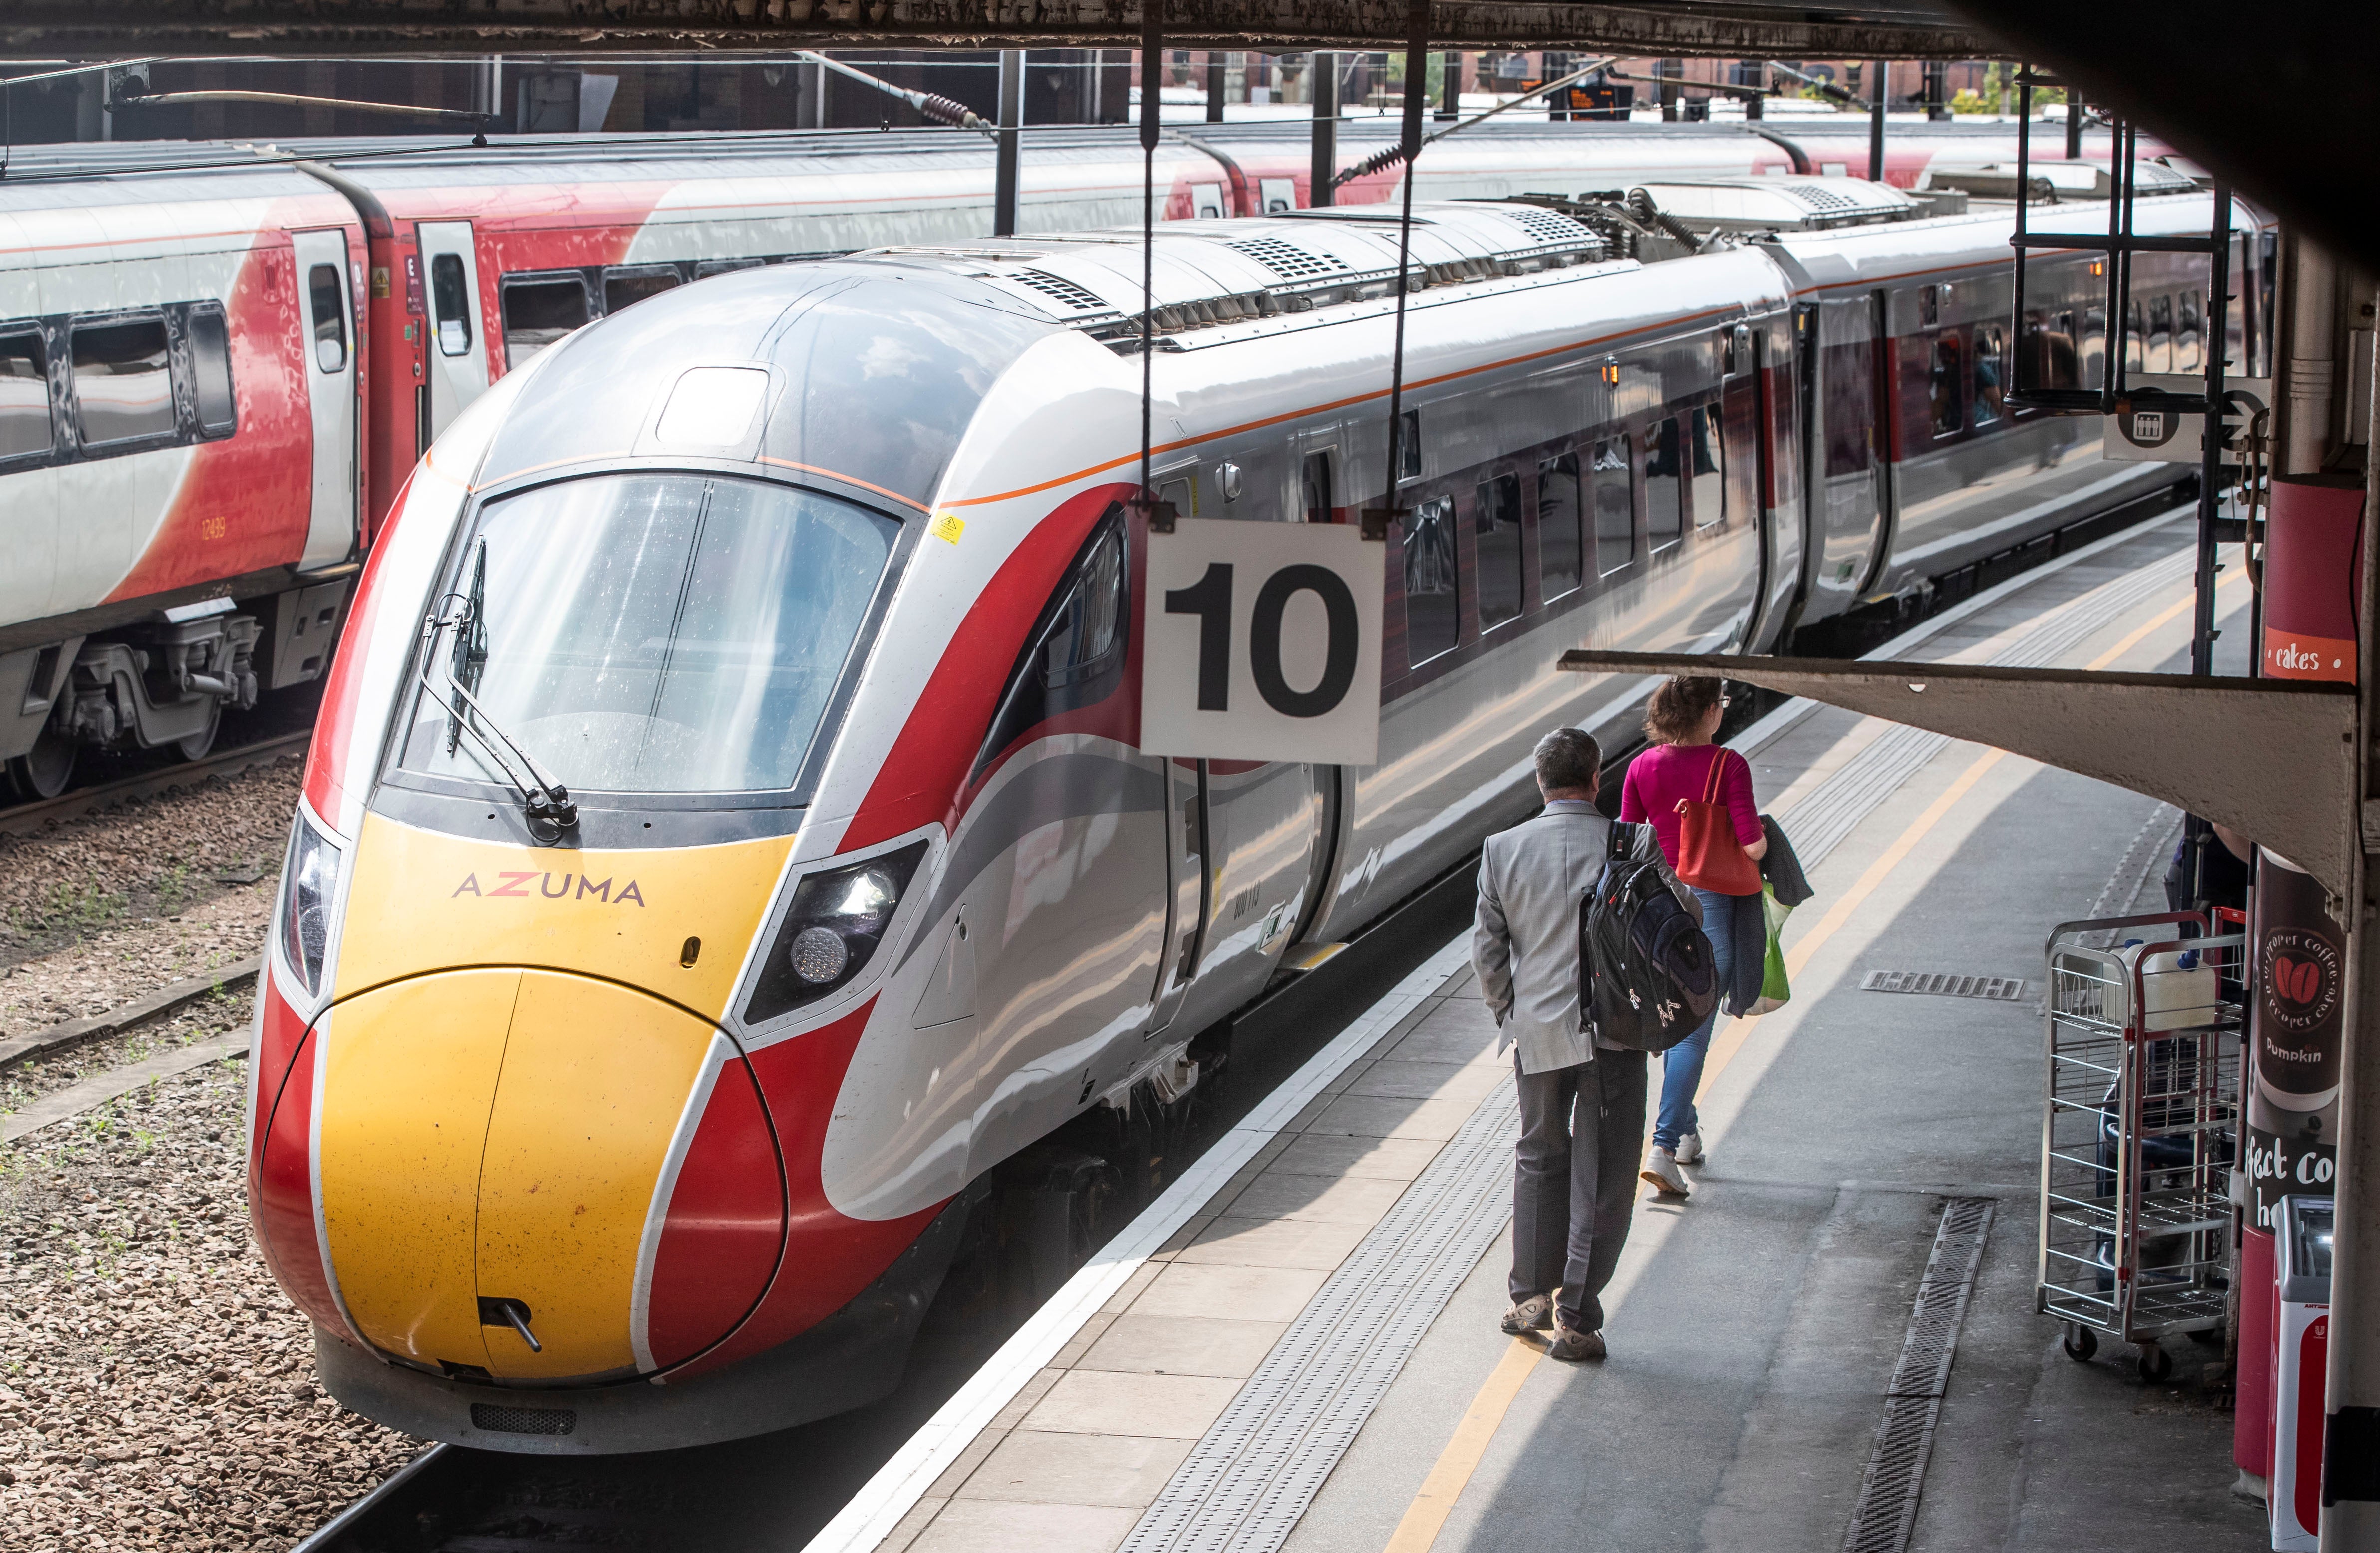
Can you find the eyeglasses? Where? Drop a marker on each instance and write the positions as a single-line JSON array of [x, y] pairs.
[[1726, 701]]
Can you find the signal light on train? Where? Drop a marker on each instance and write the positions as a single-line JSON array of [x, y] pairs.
[[833, 925], [1611, 374]]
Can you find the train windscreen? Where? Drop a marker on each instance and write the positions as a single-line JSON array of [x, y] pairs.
[[656, 633]]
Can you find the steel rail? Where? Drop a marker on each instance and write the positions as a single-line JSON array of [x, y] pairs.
[[24, 819]]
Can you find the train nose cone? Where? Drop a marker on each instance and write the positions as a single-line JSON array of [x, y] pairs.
[[499, 1152]]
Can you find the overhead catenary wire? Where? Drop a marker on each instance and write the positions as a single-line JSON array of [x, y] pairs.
[[933, 106], [1409, 144], [1152, 41]]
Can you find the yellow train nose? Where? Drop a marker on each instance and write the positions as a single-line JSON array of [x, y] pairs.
[[491, 1146]]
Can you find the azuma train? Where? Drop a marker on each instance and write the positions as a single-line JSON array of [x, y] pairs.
[[218, 362], [725, 840]]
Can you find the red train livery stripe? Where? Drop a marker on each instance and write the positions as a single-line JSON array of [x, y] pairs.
[[281, 1162], [334, 722], [840, 1256], [244, 503], [924, 777], [725, 1232]]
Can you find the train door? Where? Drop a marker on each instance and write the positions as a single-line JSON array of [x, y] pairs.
[[458, 336], [1849, 454], [329, 313], [1188, 886]]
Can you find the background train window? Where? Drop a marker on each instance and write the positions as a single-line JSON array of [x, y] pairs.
[[1432, 626], [1946, 388], [124, 388], [1665, 521], [1615, 506], [2187, 334], [1497, 520], [625, 288], [24, 395], [541, 310], [1314, 479], [329, 312], [2159, 356], [450, 304], [209, 340], [1709, 451], [720, 266], [1562, 526], [1991, 358]]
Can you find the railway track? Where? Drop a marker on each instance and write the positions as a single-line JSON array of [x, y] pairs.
[[20, 819]]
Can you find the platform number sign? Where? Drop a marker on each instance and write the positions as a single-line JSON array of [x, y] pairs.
[[1261, 641]]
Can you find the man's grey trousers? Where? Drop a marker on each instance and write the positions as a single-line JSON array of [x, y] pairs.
[[1574, 1180]]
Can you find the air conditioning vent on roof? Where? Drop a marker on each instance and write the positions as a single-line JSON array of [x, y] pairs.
[[1551, 226], [1059, 289], [1286, 260], [1819, 199]]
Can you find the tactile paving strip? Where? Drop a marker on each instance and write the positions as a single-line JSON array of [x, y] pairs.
[[1895, 1478], [1245, 1484]]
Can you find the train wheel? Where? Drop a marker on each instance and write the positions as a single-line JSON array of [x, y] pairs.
[[2080, 1344], [195, 748], [43, 771], [2156, 1365]]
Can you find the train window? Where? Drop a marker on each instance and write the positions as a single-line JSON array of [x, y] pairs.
[[720, 266], [24, 395], [1409, 445], [1929, 305], [328, 307], [1497, 519], [541, 310], [1314, 479], [124, 387], [2159, 355], [1709, 451], [209, 340], [1561, 524], [625, 288], [450, 304], [1947, 389], [2189, 335], [1665, 520], [1084, 639], [1991, 354], [2135, 336], [1615, 506], [1432, 626], [663, 631]]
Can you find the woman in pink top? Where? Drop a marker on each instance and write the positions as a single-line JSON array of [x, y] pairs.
[[1682, 722]]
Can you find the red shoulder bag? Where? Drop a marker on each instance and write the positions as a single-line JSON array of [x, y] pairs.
[[1709, 857]]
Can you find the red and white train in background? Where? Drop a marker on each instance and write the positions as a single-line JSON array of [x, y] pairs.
[[219, 362], [814, 583]]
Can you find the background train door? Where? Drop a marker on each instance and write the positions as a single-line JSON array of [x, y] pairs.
[[328, 307], [458, 336]]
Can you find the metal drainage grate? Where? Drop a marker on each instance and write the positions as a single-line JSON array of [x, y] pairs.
[[1895, 1477], [1943, 984], [498, 1419]]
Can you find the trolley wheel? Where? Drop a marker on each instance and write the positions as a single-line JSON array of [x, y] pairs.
[[2080, 1344], [2156, 1365]]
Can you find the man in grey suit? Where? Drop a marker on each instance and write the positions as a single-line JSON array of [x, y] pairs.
[[1581, 1100]]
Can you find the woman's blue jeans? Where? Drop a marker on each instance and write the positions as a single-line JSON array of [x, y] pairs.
[[1681, 1065]]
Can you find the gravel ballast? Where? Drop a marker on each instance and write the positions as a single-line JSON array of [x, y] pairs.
[[156, 1388]]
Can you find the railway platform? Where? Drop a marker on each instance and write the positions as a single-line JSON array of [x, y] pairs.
[[1297, 1346]]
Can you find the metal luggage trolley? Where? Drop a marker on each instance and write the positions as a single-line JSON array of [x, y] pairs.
[[2139, 1133]]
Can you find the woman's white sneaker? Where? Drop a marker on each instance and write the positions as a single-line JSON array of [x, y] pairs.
[[1662, 1170], [1690, 1148]]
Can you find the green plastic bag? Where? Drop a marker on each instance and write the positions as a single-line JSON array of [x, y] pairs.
[[1775, 990]]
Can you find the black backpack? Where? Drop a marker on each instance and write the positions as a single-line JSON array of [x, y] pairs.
[[1645, 971]]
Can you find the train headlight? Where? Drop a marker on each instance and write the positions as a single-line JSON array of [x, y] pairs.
[[835, 925], [307, 885]]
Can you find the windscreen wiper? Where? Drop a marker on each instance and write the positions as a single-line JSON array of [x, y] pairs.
[[549, 806]]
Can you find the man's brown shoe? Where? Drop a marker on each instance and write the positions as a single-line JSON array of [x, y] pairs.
[[1571, 1343], [1534, 1313]]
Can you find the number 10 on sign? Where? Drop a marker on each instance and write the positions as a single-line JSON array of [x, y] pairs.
[[1261, 641]]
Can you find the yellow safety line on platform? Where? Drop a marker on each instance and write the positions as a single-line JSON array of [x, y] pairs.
[[1417, 1533]]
